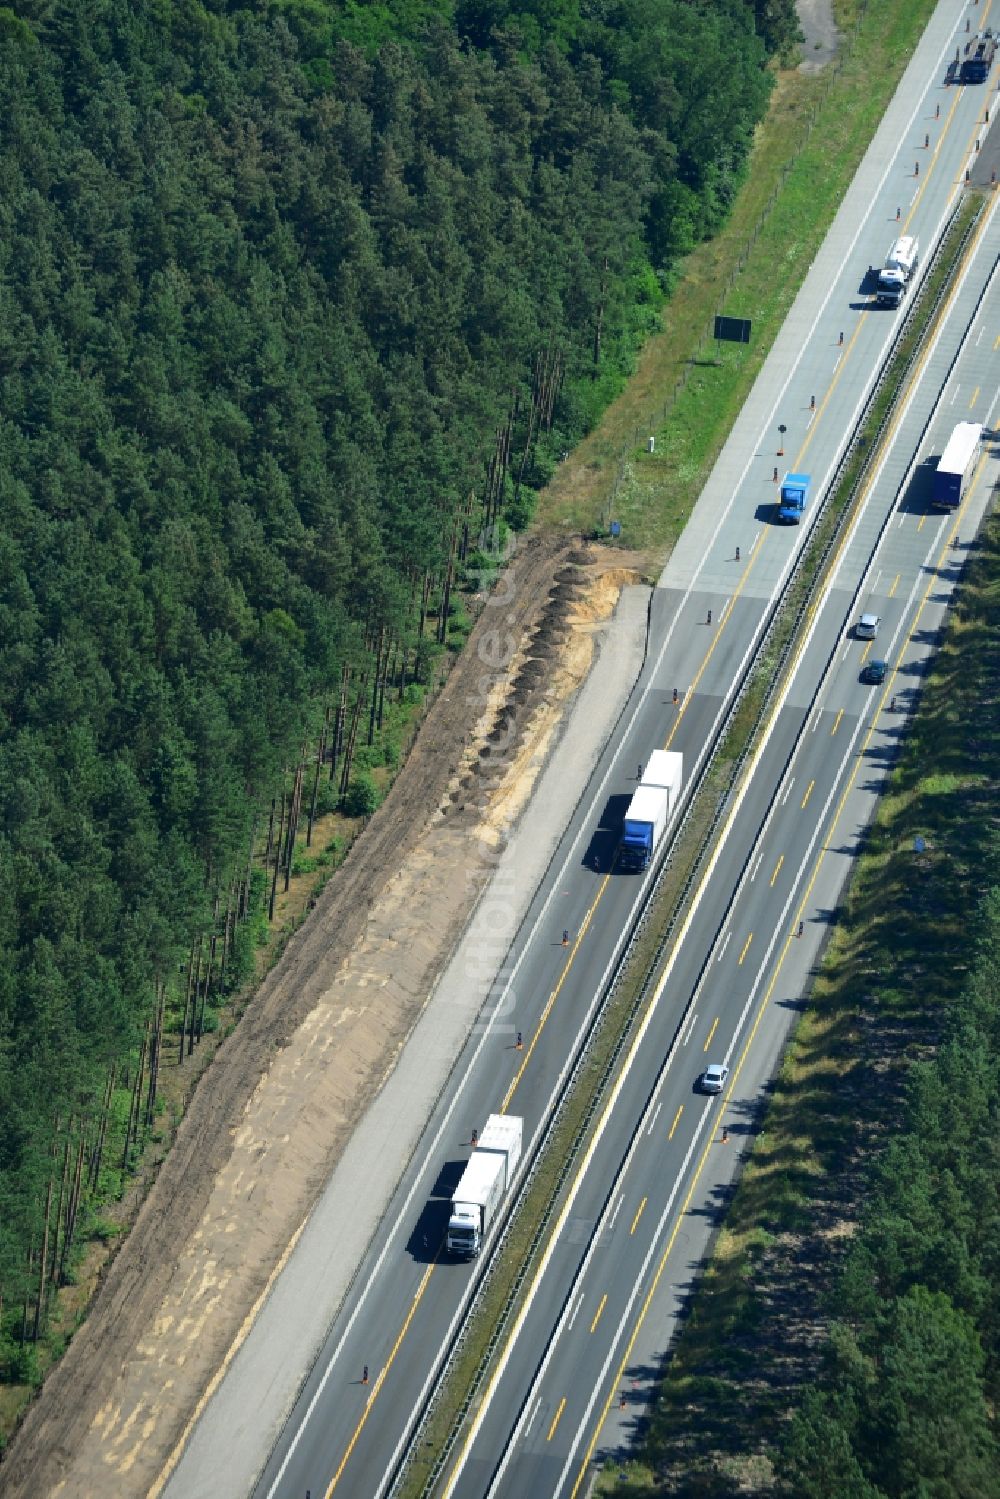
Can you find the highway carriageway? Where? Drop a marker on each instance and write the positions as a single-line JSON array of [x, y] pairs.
[[406, 1305], [593, 1322]]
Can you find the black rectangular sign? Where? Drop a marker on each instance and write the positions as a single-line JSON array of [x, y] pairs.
[[735, 329]]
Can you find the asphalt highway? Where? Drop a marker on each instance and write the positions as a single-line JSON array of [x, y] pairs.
[[645, 1202], [539, 1423]]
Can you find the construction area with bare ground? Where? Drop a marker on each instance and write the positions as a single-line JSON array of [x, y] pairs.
[[276, 1108]]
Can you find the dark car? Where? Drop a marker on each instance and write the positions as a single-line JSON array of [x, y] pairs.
[[874, 673]]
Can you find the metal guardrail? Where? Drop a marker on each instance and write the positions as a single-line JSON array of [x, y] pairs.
[[810, 560]]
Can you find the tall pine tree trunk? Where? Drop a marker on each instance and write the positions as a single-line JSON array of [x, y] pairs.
[[72, 1205], [194, 995], [277, 861], [270, 834], [63, 1186], [425, 594], [97, 1154], [187, 1003], [380, 653], [345, 775], [293, 820], [320, 755], [205, 988], [247, 885], [337, 741], [135, 1103], [154, 1054], [43, 1258]]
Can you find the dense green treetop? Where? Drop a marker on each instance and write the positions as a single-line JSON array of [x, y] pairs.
[[907, 1405], [271, 278]]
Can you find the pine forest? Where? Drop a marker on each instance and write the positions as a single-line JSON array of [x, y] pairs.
[[300, 305]]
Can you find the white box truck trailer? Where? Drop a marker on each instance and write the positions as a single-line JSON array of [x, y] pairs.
[[665, 768], [956, 466], [502, 1136], [477, 1198]]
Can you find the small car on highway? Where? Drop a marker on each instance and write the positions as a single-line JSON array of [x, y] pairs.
[[874, 672], [713, 1079], [867, 626]]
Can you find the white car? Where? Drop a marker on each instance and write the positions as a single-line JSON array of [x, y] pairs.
[[713, 1079], [867, 626]]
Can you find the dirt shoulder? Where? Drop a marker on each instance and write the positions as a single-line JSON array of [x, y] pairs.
[[820, 38], [276, 1108]]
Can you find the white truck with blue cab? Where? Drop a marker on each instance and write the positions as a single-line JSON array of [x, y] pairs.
[[650, 809]]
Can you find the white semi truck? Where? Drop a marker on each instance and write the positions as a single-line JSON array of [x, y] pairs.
[[484, 1182], [895, 276], [650, 809], [956, 466]]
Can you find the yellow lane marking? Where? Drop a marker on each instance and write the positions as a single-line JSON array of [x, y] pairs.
[[838, 371], [689, 695], [635, 1220], [895, 585], [751, 559], [556, 1419], [777, 866], [554, 995], [711, 1033], [597, 1314], [723, 620], [836, 722], [905, 226], [746, 949], [809, 790], [677, 1120], [933, 160], [381, 1379], [974, 398]]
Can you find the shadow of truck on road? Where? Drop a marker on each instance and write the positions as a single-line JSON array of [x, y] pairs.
[[426, 1242]]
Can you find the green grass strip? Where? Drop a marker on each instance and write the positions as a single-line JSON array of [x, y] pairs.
[[806, 155]]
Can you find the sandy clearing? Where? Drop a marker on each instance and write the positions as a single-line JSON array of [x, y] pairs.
[[274, 1111]]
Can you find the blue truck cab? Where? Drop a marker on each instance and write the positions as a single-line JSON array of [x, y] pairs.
[[650, 809], [645, 821], [794, 497]]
